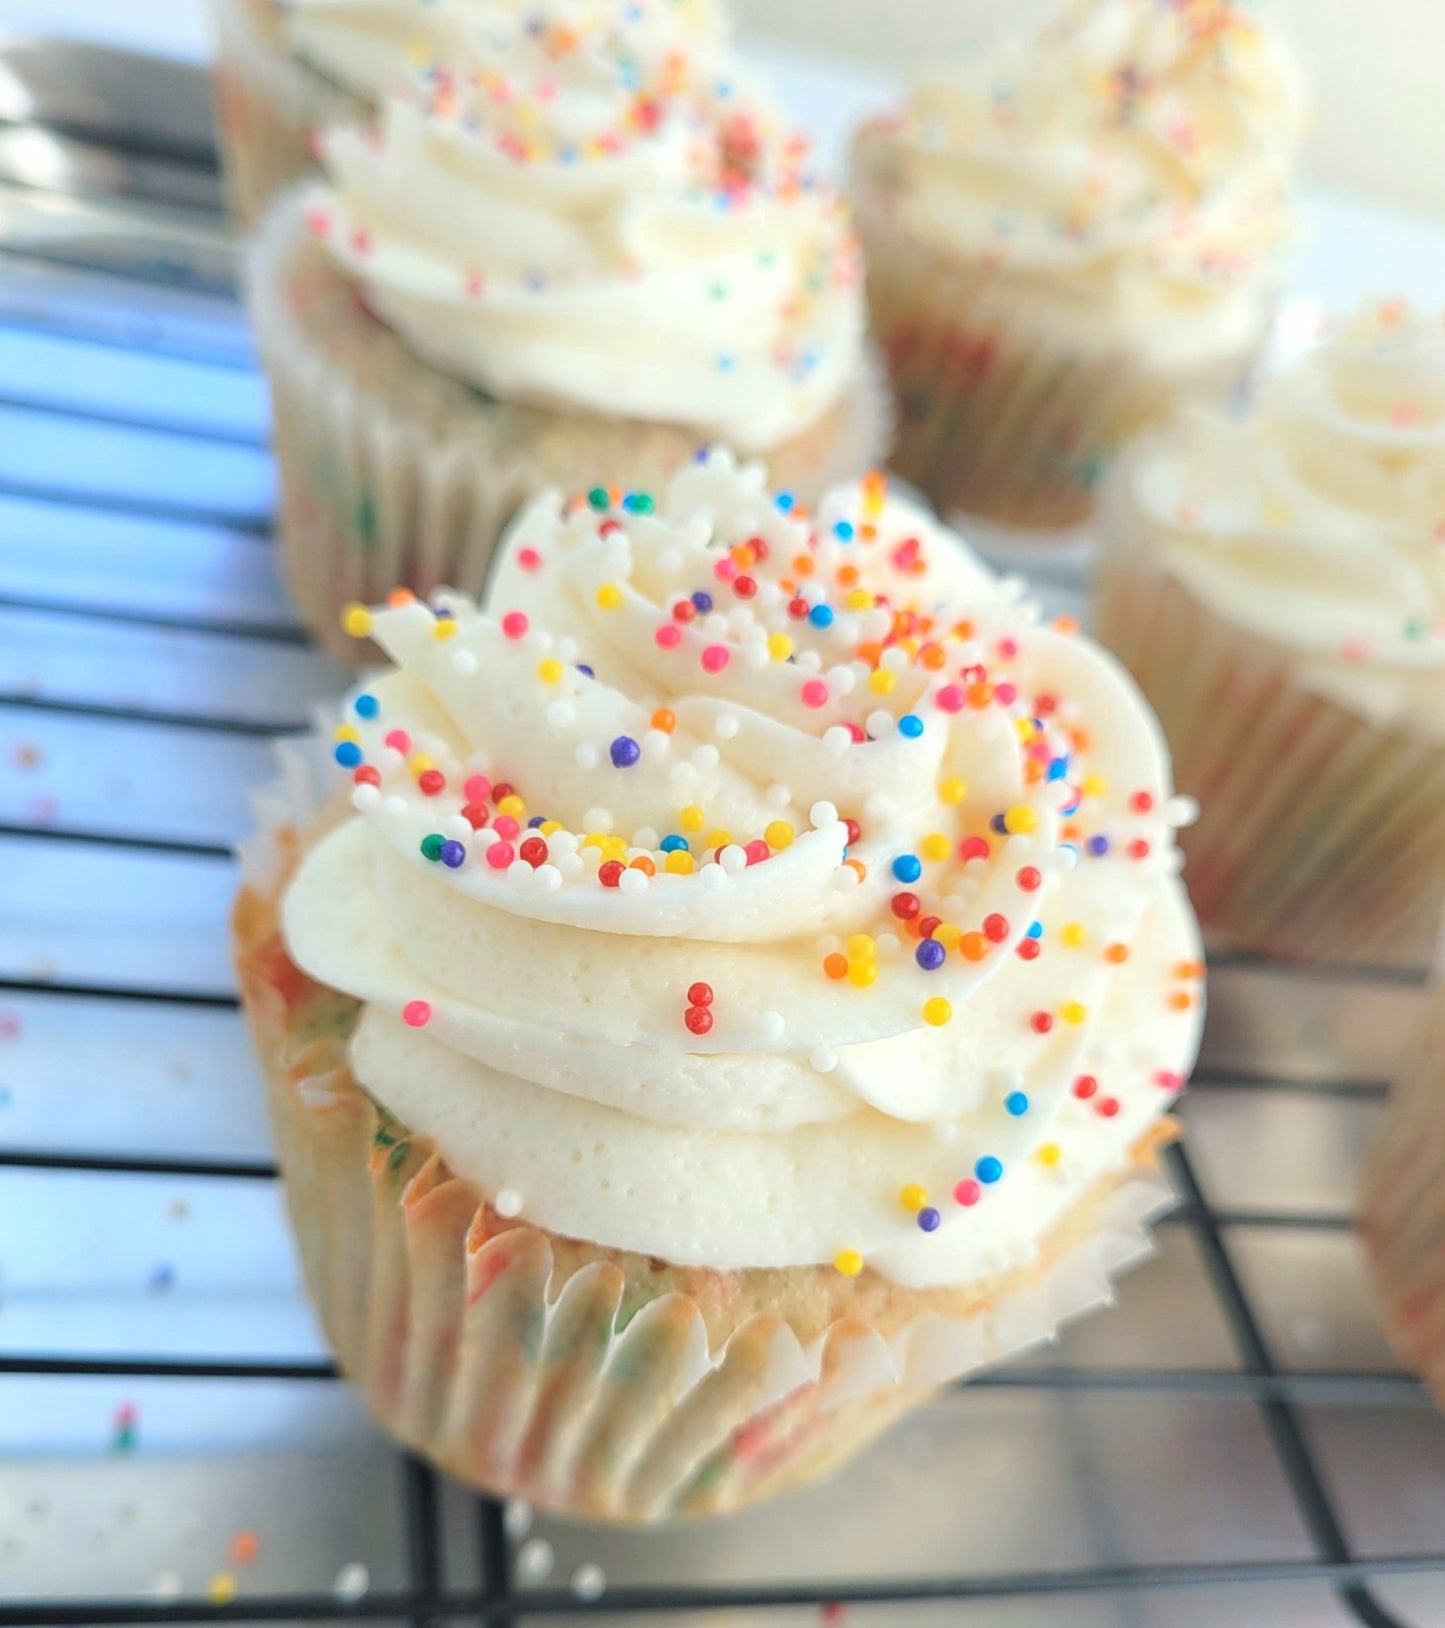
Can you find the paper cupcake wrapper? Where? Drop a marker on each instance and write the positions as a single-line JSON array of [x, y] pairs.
[[393, 474], [268, 105], [997, 413], [541, 1367], [1321, 836], [1402, 1210]]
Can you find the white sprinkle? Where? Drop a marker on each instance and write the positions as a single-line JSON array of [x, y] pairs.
[[726, 727], [597, 819], [1181, 811], [772, 1026], [712, 876], [845, 879], [829, 944], [824, 1059], [755, 655], [876, 623], [366, 797], [561, 714], [549, 878], [655, 743], [632, 882], [563, 842], [894, 659], [508, 1202], [534, 1560], [669, 561], [777, 797], [733, 859], [879, 724], [842, 680], [352, 1581], [836, 740], [457, 827], [517, 1518], [823, 814], [392, 761], [808, 661], [589, 1581], [1059, 794], [518, 872], [567, 651], [645, 838], [888, 944], [588, 756], [537, 641], [715, 625], [395, 809], [706, 756], [877, 809], [682, 773], [571, 866], [464, 663], [1173, 861]]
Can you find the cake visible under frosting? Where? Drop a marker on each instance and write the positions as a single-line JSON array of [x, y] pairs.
[[1318, 521], [750, 888], [559, 214], [1127, 165]]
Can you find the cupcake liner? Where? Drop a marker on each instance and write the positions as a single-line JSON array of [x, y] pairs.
[[268, 105], [1402, 1209], [1322, 835], [590, 1381], [395, 474], [999, 415]]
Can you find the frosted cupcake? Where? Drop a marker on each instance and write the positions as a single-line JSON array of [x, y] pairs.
[[1277, 586], [544, 265], [288, 69], [744, 991], [1068, 240]]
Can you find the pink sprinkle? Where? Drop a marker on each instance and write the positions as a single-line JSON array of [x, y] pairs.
[[814, 693], [715, 658], [361, 240], [950, 698], [398, 740], [725, 570], [856, 732], [1008, 648], [416, 1013], [318, 222], [668, 636], [967, 1193], [1355, 650], [500, 855], [757, 851], [478, 788], [529, 559], [1167, 1080], [475, 286], [1005, 694], [505, 827], [514, 624]]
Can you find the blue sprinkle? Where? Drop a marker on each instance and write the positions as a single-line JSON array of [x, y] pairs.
[[700, 456], [988, 1169], [908, 867], [1016, 1103], [930, 955], [843, 530], [347, 754], [672, 844], [625, 752], [821, 616], [1036, 930], [910, 726], [999, 824], [929, 1218], [583, 668], [725, 364], [452, 853], [367, 706], [535, 821], [785, 501], [1098, 846], [1058, 768], [702, 602]]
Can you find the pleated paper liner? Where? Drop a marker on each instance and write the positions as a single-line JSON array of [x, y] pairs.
[[998, 413], [1321, 836], [393, 474], [591, 1381], [268, 107], [1402, 1212]]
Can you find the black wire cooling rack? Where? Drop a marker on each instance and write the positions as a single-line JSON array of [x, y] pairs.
[[1233, 1442]]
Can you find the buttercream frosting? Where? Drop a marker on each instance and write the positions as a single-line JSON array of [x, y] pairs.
[[558, 214], [1317, 521], [757, 889]]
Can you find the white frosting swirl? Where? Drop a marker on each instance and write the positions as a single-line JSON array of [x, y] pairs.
[[1318, 522], [362, 43], [560, 216], [699, 699], [1130, 161]]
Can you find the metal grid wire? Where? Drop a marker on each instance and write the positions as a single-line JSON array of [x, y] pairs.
[[129, 244]]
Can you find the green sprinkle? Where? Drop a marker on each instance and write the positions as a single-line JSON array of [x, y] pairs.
[[366, 519], [431, 846], [1414, 628], [638, 503], [597, 499]]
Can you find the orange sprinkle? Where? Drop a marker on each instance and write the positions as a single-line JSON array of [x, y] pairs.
[[1117, 953], [399, 597], [932, 657], [835, 965], [664, 719], [859, 866], [871, 652], [803, 565], [644, 864], [1066, 624], [847, 576], [1189, 969], [979, 694], [973, 946], [1181, 1000], [868, 532]]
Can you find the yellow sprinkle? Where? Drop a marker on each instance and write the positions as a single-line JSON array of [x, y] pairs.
[[1073, 1012], [419, 763], [780, 646], [550, 671], [953, 792], [913, 1197], [1020, 820], [861, 945], [692, 818], [221, 1589], [778, 834], [859, 600], [679, 862], [947, 934], [609, 596], [512, 805], [849, 1262], [1049, 1154], [593, 839], [1093, 785], [1024, 728], [718, 839], [935, 846], [881, 682], [937, 1011], [547, 827], [356, 620], [444, 628], [344, 732], [1074, 934], [862, 973], [614, 848]]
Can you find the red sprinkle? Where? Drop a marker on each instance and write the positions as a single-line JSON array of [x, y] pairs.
[[1085, 1086], [745, 587], [431, 782], [502, 790], [367, 776], [1030, 879], [855, 832], [698, 1019], [699, 994], [995, 927], [929, 926], [475, 814], [905, 906], [534, 851], [1138, 849], [684, 611], [1108, 1106], [974, 848], [1041, 1022], [609, 873], [1141, 802], [1028, 949]]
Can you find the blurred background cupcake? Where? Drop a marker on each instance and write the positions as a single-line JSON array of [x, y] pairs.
[[286, 69], [1067, 239], [558, 253], [1277, 586]]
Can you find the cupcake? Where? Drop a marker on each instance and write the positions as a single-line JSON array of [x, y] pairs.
[[736, 985], [1069, 239], [286, 69], [556, 254], [1277, 586]]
